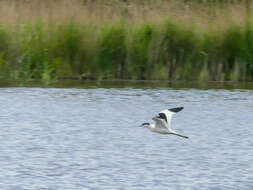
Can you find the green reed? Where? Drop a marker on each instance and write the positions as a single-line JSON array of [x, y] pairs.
[[165, 50], [138, 52], [111, 51]]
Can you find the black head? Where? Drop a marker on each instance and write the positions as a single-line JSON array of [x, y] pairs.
[[145, 124]]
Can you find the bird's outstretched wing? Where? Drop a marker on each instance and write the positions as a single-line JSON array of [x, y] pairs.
[[175, 110], [159, 122], [167, 115]]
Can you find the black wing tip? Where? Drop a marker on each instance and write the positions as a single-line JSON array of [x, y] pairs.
[[178, 109]]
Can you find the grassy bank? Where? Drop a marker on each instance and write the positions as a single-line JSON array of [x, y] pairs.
[[175, 40]]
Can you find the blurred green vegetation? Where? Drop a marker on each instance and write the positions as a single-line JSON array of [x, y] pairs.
[[165, 49]]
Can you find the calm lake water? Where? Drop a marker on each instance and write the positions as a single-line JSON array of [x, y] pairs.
[[89, 138]]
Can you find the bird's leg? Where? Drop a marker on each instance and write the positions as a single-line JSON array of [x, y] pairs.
[[179, 135]]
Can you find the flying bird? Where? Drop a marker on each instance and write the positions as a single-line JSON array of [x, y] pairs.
[[162, 123]]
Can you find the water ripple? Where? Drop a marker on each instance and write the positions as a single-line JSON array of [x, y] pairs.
[[90, 139]]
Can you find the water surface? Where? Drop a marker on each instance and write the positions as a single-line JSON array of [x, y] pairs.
[[56, 138]]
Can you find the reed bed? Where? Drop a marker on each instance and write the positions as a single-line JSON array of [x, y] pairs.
[[168, 40]]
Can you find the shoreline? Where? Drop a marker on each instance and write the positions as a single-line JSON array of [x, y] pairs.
[[142, 84]]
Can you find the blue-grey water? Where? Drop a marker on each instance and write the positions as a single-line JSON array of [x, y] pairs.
[[56, 139]]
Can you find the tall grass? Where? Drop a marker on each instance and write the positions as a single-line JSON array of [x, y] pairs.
[[111, 53], [138, 56], [174, 40], [4, 53]]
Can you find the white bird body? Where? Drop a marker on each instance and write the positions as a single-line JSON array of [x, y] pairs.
[[162, 123]]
